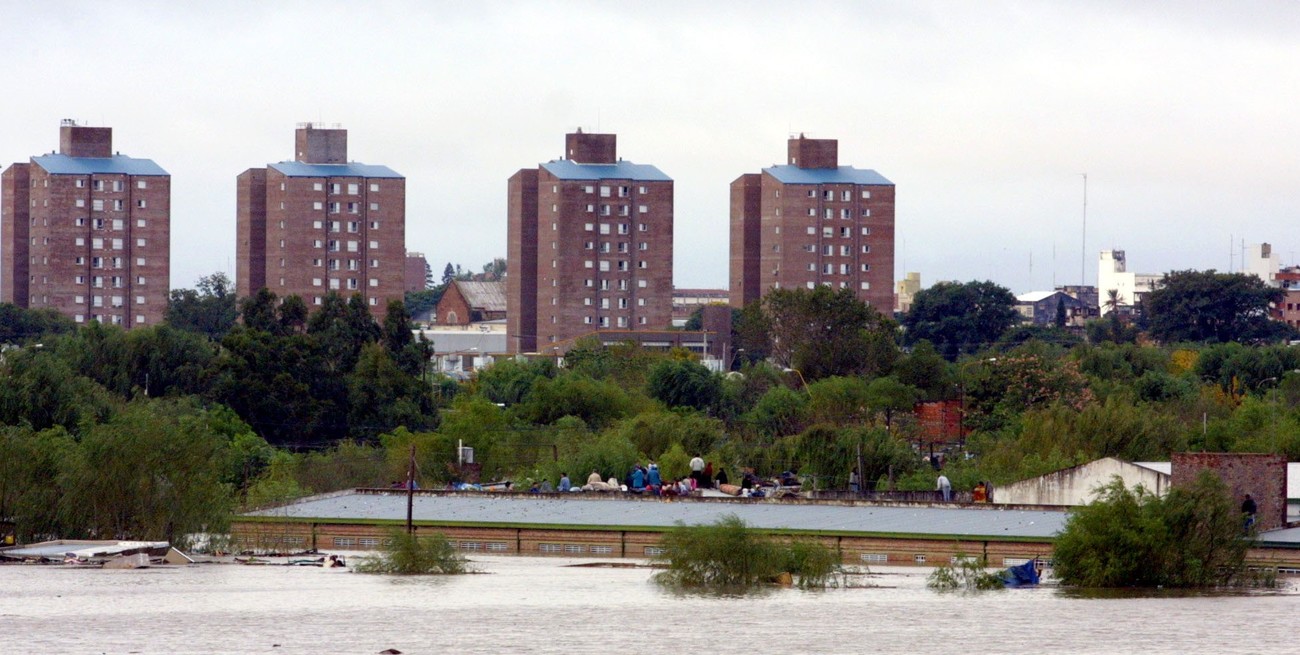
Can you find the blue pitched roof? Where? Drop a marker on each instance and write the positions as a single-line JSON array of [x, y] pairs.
[[351, 169], [623, 170], [59, 164], [841, 175]]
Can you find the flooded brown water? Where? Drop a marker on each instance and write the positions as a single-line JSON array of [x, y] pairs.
[[539, 605]]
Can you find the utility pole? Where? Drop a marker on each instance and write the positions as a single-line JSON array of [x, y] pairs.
[[410, 492], [1083, 243]]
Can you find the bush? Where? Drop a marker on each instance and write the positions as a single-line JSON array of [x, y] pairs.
[[409, 554], [968, 574], [729, 556]]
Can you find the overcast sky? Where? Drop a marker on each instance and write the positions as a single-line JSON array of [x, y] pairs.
[[984, 114]]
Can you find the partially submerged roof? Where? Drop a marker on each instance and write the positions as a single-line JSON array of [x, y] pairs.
[[593, 511], [351, 169], [842, 175], [60, 164], [485, 296], [623, 170]]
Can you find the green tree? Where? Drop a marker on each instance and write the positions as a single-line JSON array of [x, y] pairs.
[[208, 310], [151, 472], [960, 317], [1132, 538], [824, 332], [382, 397], [21, 326], [684, 383], [1208, 306]]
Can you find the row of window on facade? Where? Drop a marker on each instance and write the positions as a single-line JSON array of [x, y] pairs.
[[319, 300], [606, 286], [336, 283], [603, 265], [610, 210], [334, 246], [603, 321], [98, 185], [338, 264], [98, 204], [812, 284], [829, 213], [113, 318], [829, 250], [336, 188], [606, 246], [828, 195], [621, 303], [829, 269], [607, 191], [95, 262], [97, 281], [337, 226], [604, 228], [337, 207], [97, 243]]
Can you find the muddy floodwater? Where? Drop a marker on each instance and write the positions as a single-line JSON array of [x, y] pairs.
[[541, 605]]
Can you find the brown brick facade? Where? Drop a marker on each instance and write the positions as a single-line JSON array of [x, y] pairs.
[[322, 227], [838, 233], [1262, 476], [591, 247], [97, 232]]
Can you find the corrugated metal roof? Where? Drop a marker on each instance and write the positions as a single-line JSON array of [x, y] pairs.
[[351, 169], [600, 512], [487, 296], [623, 170], [842, 175], [116, 165]]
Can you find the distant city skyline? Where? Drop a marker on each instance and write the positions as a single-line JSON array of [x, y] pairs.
[[985, 116]]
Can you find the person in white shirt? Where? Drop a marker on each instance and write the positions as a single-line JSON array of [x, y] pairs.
[[945, 486]]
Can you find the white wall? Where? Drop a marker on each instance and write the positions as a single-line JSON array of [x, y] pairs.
[[1077, 486]]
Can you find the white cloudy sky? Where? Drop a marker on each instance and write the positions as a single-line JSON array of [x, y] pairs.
[[985, 114]]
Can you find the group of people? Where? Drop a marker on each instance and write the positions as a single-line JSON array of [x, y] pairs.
[[647, 478], [982, 493]]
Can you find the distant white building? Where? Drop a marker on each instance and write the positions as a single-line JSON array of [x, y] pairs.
[[1113, 275], [1262, 262]]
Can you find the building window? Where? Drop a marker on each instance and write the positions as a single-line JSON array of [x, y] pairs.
[[374, 282], [866, 286], [374, 187], [604, 192], [866, 195], [354, 189], [140, 202], [97, 205], [317, 206], [141, 184], [812, 211], [642, 284], [642, 227], [374, 245], [589, 227], [866, 231], [866, 248], [866, 213], [589, 189]]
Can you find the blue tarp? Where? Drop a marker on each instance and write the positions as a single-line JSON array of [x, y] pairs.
[[1022, 575]]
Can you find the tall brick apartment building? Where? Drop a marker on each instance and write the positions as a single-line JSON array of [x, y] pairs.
[[321, 223], [87, 232], [813, 222], [590, 246]]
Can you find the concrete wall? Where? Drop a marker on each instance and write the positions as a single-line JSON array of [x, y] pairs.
[[1077, 485]]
